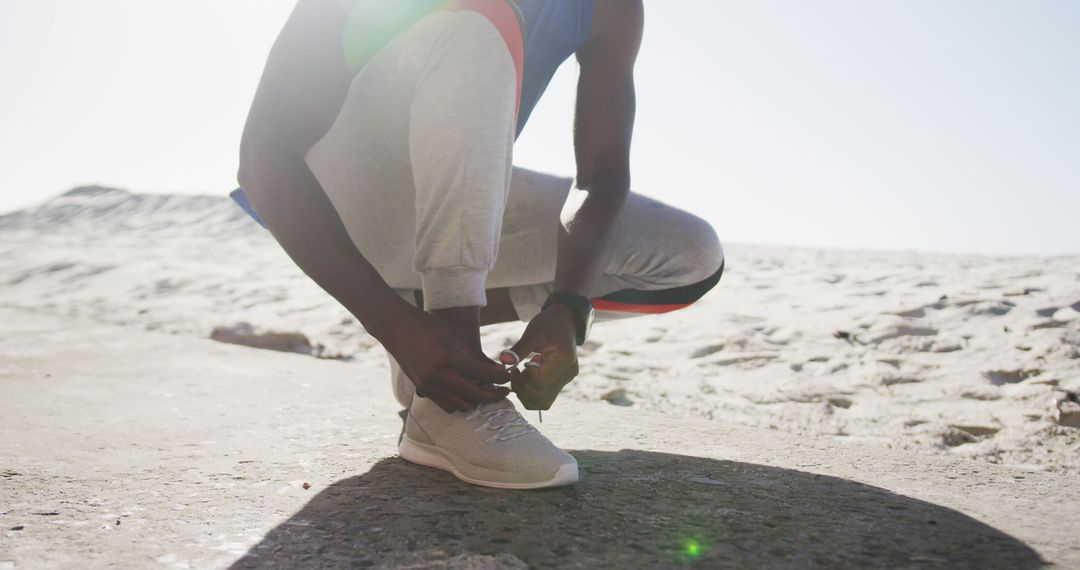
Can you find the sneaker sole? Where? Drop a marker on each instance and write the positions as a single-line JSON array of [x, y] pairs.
[[429, 456]]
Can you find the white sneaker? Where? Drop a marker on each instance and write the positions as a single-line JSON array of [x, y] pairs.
[[403, 387], [491, 446]]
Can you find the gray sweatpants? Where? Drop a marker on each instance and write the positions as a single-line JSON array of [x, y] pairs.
[[419, 166]]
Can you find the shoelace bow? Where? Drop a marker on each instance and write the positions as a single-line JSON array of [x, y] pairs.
[[502, 429]]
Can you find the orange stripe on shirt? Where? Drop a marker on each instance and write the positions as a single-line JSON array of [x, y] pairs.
[[505, 19]]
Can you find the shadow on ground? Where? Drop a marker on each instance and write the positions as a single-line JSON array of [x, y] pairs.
[[631, 509]]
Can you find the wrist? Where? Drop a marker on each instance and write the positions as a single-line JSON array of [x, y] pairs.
[[390, 320], [580, 310], [466, 320], [563, 319], [562, 314]]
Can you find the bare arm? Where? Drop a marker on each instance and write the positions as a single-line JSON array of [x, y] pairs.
[[301, 92], [604, 123]]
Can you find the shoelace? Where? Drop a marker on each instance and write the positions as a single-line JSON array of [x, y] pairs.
[[503, 430], [519, 363]]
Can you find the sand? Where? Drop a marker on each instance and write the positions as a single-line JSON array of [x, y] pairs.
[[819, 408], [969, 356]]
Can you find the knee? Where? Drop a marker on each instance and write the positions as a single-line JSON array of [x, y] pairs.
[[702, 255]]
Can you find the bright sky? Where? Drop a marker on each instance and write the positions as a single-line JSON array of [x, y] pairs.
[[922, 124]]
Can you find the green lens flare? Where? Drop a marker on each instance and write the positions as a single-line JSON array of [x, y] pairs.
[[373, 23], [692, 549]]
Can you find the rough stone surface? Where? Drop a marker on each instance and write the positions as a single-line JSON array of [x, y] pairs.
[[132, 449]]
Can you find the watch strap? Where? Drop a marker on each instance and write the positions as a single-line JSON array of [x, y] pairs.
[[581, 306]]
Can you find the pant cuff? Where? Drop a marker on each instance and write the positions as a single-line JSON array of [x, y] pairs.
[[448, 288], [528, 299]]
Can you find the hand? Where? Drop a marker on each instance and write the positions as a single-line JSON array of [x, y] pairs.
[[444, 365], [553, 336]]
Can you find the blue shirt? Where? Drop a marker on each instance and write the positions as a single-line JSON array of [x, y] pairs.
[[553, 30]]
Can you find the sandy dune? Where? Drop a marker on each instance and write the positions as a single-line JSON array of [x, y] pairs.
[[977, 357]]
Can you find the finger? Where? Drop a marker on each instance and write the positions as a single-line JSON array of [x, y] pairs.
[[525, 385], [509, 357], [534, 373], [528, 393], [460, 404], [448, 398], [519, 387], [521, 350], [540, 386], [528, 400], [485, 359], [449, 403], [495, 393], [534, 396], [445, 399], [474, 392], [547, 401], [536, 402], [488, 373]]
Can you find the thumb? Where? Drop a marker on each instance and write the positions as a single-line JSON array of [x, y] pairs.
[[515, 354]]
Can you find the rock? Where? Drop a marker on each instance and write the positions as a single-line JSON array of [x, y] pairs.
[[916, 313], [891, 378], [782, 336], [706, 350], [990, 308], [944, 346], [1023, 292], [840, 402], [438, 559], [1068, 410], [899, 331], [246, 335], [983, 393], [978, 430], [952, 437], [617, 397], [1001, 377], [801, 499], [1050, 324], [1047, 312], [1042, 381]]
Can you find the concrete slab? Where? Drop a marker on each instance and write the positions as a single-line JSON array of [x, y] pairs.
[[134, 449]]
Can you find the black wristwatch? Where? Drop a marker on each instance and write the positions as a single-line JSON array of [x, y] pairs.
[[581, 307]]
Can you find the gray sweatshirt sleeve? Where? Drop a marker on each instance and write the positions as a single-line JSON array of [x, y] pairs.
[[461, 137]]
